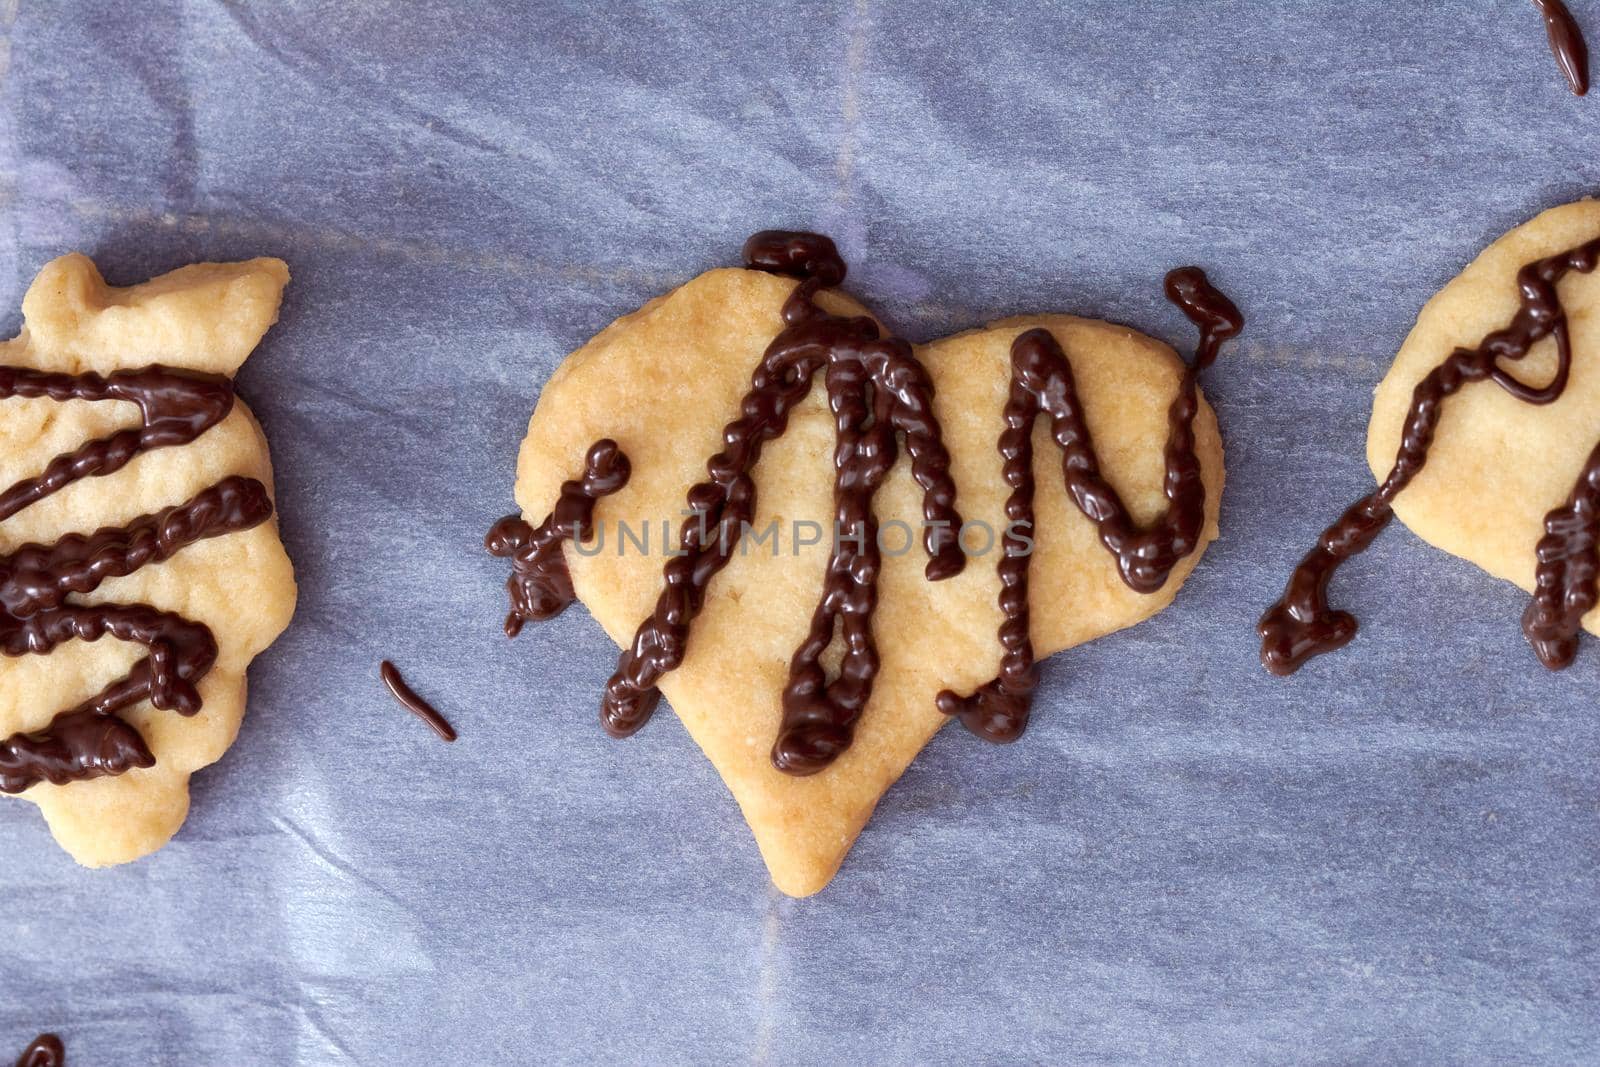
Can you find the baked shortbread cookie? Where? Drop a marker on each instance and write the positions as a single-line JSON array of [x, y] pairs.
[[1484, 441], [140, 565], [663, 388]]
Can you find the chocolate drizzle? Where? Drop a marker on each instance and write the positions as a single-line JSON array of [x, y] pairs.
[[1566, 42], [413, 703], [1564, 580], [1041, 383], [45, 1050], [539, 585], [91, 741], [876, 389], [877, 392], [1301, 624], [176, 406]]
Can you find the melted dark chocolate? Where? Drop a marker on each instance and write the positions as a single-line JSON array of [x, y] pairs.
[[1041, 383], [1564, 580], [91, 741], [413, 703], [877, 391], [45, 1050], [1301, 624], [1566, 42], [177, 406], [539, 585]]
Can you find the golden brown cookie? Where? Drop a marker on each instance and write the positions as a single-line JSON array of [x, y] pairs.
[[140, 563], [663, 382]]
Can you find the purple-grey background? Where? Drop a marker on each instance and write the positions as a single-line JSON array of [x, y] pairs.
[[1391, 858]]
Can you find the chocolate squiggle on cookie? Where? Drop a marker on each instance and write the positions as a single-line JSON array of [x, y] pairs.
[[1565, 577], [877, 392], [45, 1050], [176, 407], [539, 585], [1301, 625], [1041, 383], [1566, 43], [91, 741]]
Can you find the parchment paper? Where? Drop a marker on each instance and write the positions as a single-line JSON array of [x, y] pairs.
[[1391, 858]]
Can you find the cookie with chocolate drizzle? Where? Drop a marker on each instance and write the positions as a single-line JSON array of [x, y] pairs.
[[812, 667], [1484, 442], [140, 568]]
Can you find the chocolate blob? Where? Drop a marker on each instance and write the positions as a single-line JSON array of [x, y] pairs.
[[540, 586], [45, 1050]]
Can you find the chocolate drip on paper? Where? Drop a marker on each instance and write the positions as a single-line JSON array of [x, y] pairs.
[[1566, 43], [540, 585], [45, 1050], [1301, 624], [413, 703], [88, 742], [177, 406], [91, 741], [1041, 383]]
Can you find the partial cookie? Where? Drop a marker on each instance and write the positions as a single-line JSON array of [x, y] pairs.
[[1484, 441], [140, 565], [658, 388], [1498, 464]]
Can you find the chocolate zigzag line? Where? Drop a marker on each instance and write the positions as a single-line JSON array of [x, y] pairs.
[[46, 1050], [1041, 383], [91, 741]]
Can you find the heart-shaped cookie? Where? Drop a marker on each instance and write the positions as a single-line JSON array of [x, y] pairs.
[[140, 566], [665, 382], [1484, 441]]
